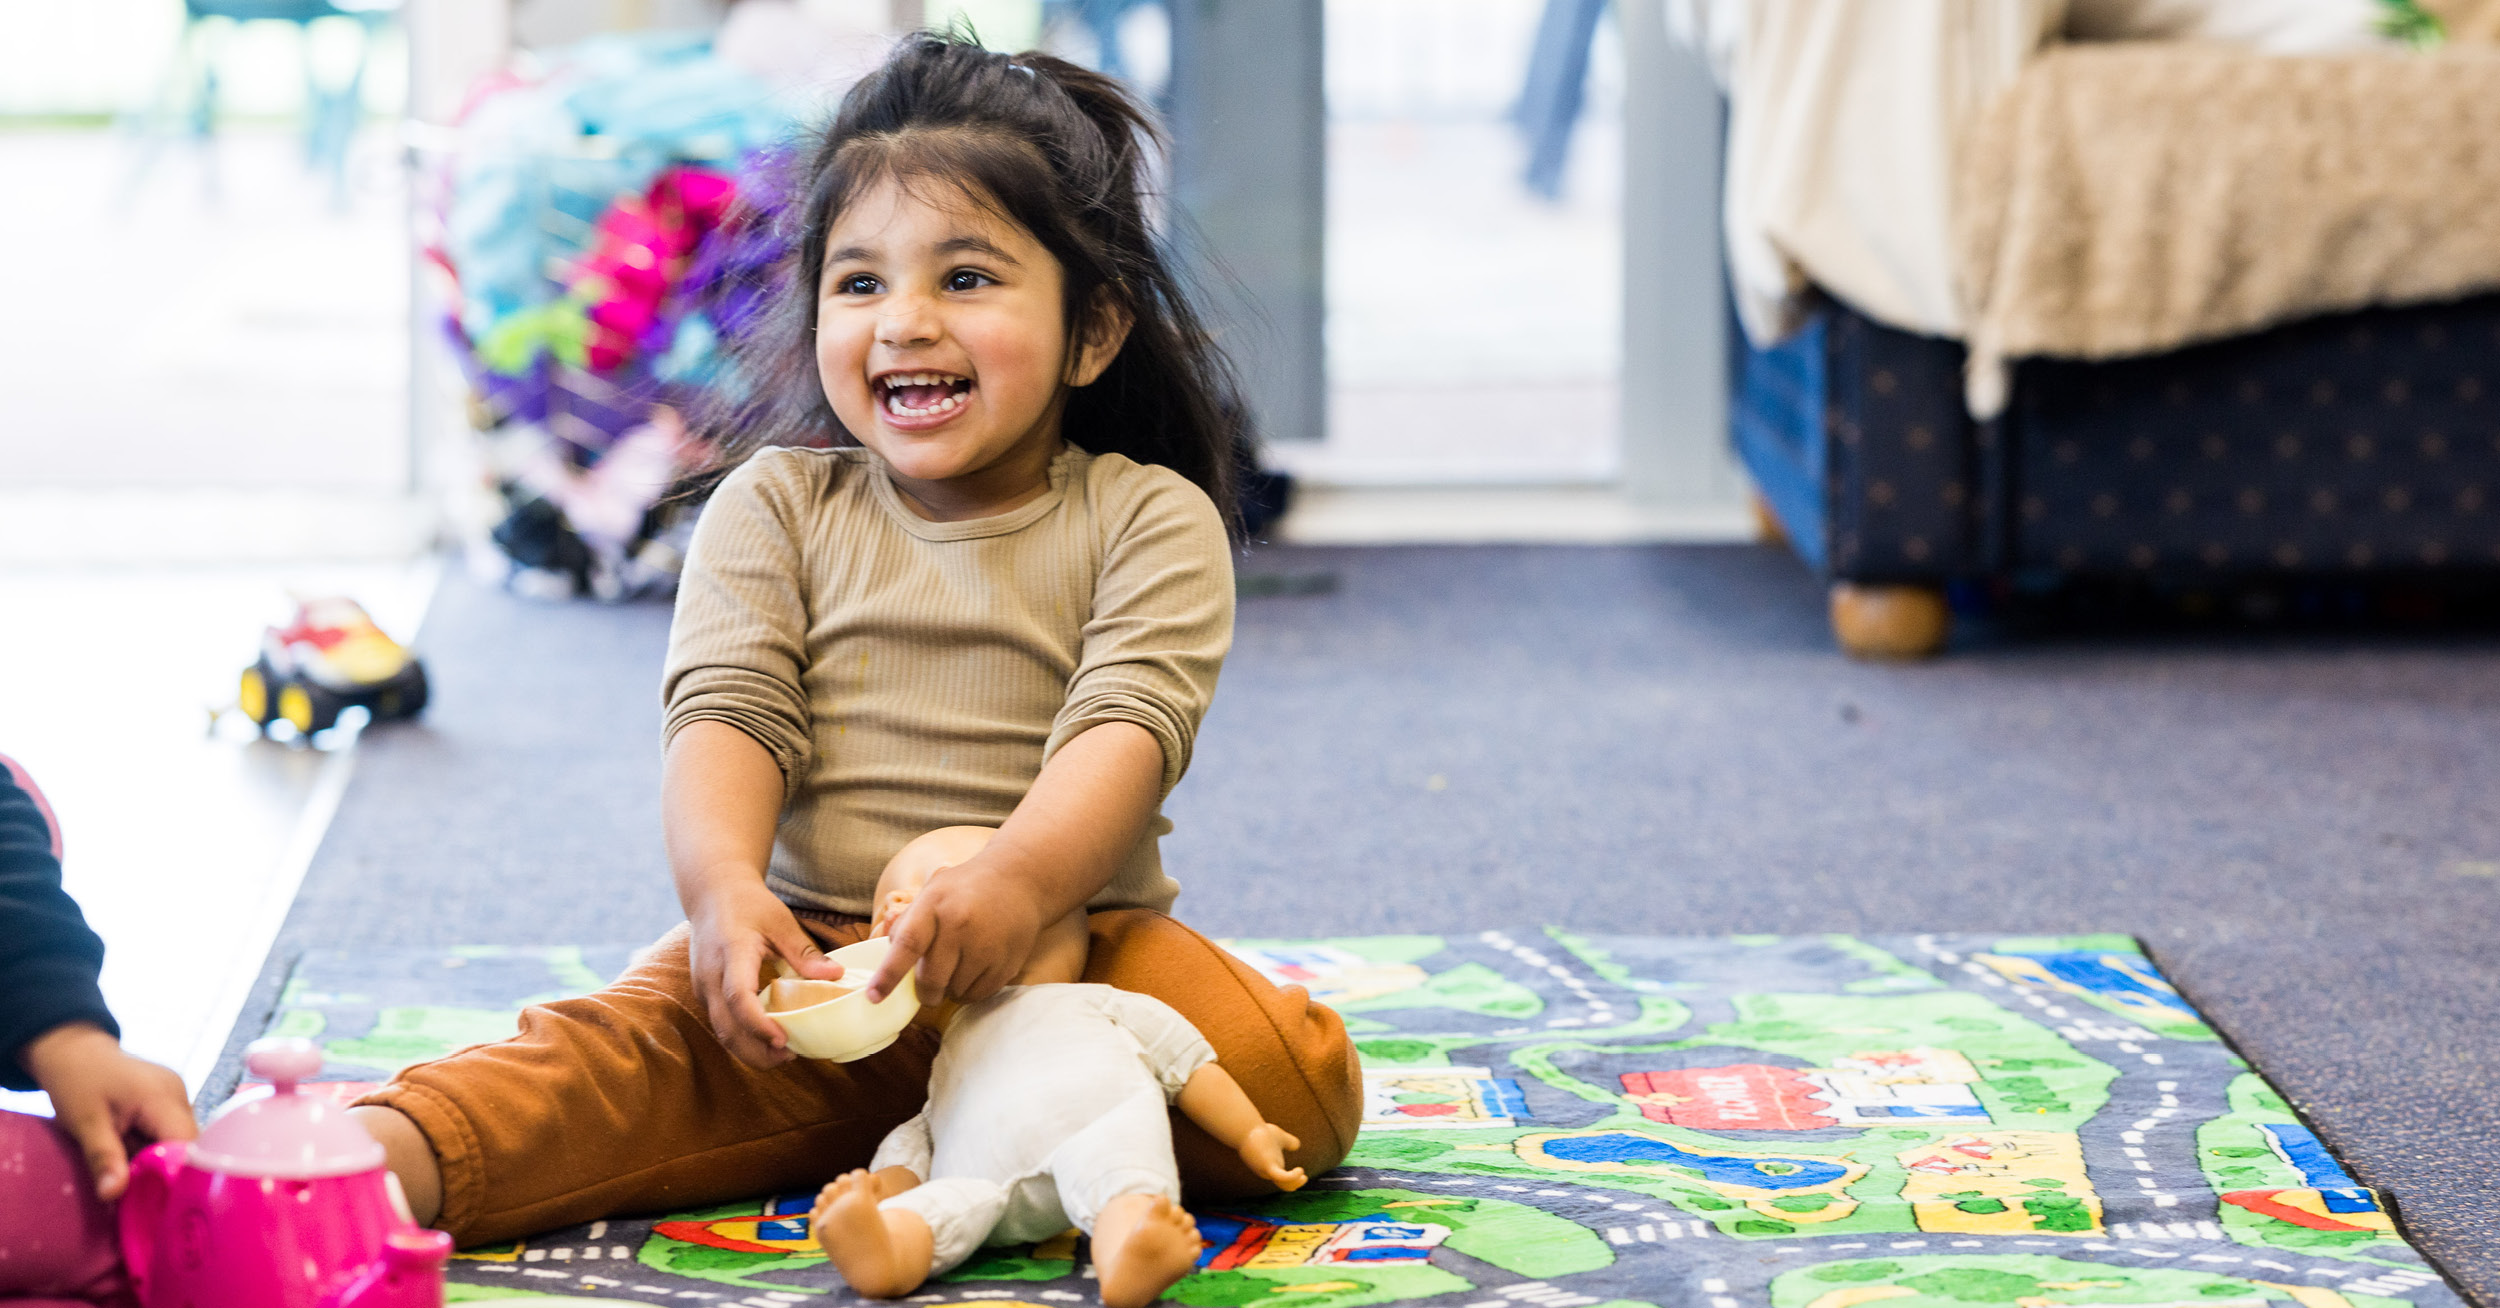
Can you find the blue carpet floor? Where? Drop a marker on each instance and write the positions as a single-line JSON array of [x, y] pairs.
[[1656, 741]]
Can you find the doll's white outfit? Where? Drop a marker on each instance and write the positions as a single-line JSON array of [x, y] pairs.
[[1046, 1102]]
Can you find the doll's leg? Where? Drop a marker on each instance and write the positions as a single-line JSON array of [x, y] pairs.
[[886, 1248], [622, 1101], [881, 1253], [56, 1238], [1117, 1180], [1143, 1243], [1290, 1055]]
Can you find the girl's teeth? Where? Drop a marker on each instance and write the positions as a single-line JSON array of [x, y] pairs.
[[897, 402]]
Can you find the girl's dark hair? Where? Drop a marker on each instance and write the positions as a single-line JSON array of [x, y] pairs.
[[1059, 150]]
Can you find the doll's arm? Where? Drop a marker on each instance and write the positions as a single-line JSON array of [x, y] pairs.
[[1214, 1100]]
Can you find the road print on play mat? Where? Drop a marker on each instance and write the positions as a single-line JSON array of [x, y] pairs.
[[1564, 1121]]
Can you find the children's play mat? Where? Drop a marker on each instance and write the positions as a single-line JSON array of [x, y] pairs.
[[1568, 1121]]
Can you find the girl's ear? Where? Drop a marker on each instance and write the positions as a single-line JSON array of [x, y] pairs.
[[1104, 331]]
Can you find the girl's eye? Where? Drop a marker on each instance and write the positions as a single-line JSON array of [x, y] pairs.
[[856, 284], [965, 279]]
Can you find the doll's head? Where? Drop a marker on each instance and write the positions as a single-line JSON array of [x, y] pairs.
[[1060, 950]]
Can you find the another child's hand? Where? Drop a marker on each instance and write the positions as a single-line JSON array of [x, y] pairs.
[[106, 1099], [969, 931], [739, 928], [1264, 1150]]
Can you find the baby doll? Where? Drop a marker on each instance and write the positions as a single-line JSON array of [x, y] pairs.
[[1047, 1108]]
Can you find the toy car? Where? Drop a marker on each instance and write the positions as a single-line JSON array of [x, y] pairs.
[[329, 659]]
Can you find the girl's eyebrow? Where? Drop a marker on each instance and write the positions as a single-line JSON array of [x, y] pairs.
[[974, 245], [852, 254]]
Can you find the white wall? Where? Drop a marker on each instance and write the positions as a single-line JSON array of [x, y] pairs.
[[113, 57]]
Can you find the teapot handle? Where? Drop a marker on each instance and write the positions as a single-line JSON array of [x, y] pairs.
[[143, 1208], [409, 1274]]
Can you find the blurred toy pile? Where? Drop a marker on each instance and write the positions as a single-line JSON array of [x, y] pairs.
[[604, 220]]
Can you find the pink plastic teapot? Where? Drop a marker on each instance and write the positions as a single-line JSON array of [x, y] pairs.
[[283, 1202]]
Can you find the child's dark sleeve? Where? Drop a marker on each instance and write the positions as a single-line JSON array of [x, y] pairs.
[[48, 957]]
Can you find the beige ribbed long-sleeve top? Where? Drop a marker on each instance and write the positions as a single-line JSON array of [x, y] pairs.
[[908, 674]]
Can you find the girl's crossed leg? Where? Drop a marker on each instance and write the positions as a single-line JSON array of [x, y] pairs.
[[621, 1101]]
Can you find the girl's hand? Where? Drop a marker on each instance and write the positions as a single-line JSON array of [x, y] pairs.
[[970, 931], [741, 925], [105, 1099]]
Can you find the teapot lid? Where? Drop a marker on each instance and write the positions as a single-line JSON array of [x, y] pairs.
[[286, 1134]]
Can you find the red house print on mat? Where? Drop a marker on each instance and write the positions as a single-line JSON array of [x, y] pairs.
[[1739, 1097]]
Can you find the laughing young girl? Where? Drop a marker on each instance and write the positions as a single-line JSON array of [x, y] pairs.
[[999, 599]]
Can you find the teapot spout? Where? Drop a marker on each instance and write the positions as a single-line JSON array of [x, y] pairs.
[[409, 1274]]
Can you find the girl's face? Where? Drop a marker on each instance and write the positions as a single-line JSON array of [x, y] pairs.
[[942, 345]]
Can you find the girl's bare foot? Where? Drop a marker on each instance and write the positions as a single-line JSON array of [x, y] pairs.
[[1142, 1244], [883, 1255]]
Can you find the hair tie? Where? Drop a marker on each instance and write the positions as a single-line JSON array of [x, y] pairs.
[[1017, 67]]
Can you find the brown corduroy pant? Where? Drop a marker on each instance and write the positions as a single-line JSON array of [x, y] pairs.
[[622, 1102]]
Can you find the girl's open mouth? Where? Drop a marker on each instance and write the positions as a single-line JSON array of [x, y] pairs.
[[920, 396]]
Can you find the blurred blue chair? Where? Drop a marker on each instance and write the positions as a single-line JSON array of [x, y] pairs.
[[1557, 86], [1101, 20], [330, 111]]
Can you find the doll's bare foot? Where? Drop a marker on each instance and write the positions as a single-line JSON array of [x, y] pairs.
[[1142, 1243], [883, 1255]]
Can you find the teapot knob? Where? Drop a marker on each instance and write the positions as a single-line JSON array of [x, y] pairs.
[[283, 1060]]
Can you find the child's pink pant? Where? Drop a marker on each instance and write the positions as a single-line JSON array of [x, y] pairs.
[[58, 1248]]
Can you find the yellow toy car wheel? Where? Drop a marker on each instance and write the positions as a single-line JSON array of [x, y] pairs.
[[296, 706], [253, 696]]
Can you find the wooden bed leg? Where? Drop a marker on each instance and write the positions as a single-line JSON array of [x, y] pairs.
[[1766, 524], [1889, 622]]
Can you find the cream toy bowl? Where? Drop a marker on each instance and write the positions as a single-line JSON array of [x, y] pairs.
[[833, 1019]]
